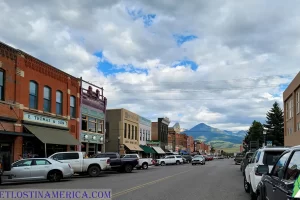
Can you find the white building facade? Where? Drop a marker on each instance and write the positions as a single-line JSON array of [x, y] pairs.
[[145, 130]]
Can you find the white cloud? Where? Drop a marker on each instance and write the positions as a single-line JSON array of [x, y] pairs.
[[233, 45]]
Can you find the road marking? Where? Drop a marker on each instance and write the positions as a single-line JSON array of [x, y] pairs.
[[146, 184]]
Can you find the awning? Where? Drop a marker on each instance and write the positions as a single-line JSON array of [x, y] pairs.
[[52, 136], [147, 149], [133, 147], [158, 150]]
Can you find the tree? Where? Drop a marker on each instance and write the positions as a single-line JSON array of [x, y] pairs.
[[212, 149], [275, 125], [255, 133]]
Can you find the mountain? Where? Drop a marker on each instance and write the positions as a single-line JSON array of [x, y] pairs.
[[218, 138]]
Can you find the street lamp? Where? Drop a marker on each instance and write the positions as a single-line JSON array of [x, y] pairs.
[[195, 143], [119, 145], [265, 133]]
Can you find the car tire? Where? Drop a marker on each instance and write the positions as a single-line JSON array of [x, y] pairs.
[[128, 168], [94, 171], [162, 163], [177, 162], [54, 176], [144, 166], [246, 185]]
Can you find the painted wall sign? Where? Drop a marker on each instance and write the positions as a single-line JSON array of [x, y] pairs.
[[91, 138], [86, 110], [90, 99], [144, 121], [130, 142], [131, 116], [45, 120]]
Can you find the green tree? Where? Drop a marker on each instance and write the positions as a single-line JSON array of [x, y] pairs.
[[212, 149], [275, 125], [255, 133]]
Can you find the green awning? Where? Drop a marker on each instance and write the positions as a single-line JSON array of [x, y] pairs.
[[52, 136], [147, 149]]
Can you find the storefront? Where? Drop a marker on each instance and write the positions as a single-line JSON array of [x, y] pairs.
[[51, 135], [159, 152], [145, 135]]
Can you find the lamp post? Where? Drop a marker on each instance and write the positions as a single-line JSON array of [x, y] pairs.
[[265, 133], [195, 143], [119, 145]]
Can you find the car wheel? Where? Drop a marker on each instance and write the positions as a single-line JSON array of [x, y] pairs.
[[94, 171], [246, 185], [54, 176], [128, 168], [177, 162], [145, 166], [162, 163]]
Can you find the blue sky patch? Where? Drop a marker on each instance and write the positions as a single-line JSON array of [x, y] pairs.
[[180, 39], [190, 63], [148, 19]]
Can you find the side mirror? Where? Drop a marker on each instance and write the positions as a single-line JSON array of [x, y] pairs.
[[262, 169]]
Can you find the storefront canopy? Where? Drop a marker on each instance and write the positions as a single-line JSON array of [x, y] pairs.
[[147, 149], [52, 136], [158, 150], [133, 147]]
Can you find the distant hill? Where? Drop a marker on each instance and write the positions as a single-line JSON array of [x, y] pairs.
[[218, 138]]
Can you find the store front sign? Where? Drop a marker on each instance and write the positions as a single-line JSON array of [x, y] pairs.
[[130, 142], [45, 120], [144, 121], [86, 110], [152, 143], [91, 138]]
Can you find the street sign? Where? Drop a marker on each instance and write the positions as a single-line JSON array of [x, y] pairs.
[[269, 143]]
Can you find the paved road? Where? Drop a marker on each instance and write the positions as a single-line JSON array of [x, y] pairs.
[[217, 180]]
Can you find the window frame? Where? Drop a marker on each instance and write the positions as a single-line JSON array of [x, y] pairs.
[[129, 132], [2, 86], [59, 103], [45, 99], [36, 95], [94, 121], [125, 130], [73, 108], [132, 132], [297, 102], [284, 164], [135, 134]]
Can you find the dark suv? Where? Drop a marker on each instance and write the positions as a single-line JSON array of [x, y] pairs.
[[282, 182]]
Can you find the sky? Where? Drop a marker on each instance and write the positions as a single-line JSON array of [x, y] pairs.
[[223, 63]]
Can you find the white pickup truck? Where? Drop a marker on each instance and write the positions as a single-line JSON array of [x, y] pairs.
[[143, 162], [81, 165]]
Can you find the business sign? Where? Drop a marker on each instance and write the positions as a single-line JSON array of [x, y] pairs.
[[45, 120], [269, 143], [131, 116], [92, 138], [144, 121], [86, 110]]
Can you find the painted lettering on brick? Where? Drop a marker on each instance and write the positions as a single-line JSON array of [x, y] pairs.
[[44, 120]]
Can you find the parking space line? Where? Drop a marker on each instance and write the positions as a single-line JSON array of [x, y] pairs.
[[146, 184]]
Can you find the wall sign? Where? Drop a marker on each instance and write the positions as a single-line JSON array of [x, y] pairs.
[[92, 138], [45, 120], [131, 116], [86, 110]]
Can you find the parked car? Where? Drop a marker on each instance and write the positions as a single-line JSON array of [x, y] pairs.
[[119, 164], [246, 161], [143, 162], [35, 169], [82, 165], [238, 158], [170, 160], [263, 156], [198, 159], [278, 183], [188, 158]]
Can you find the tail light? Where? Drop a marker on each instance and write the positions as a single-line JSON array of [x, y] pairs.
[[70, 166], [108, 161]]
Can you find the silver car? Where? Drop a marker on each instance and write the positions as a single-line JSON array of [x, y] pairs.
[[198, 159], [37, 169]]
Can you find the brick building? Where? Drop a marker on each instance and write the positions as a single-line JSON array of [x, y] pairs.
[[39, 106], [190, 144]]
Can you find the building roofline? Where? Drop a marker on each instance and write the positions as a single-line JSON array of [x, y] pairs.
[[289, 87]]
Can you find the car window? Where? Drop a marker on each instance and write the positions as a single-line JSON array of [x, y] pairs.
[[270, 157], [178, 157], [293, 169], [70, 156], [278, 170], [249, 155], [253, 157], [257, 156], [22, 163], [170, 157], [42, 162], [58, 156], [112, 155]]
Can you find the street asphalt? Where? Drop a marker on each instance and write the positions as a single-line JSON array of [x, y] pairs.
[[217, 180]]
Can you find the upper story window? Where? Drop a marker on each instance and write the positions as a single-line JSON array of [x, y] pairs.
[[59, 99], [33, 95], [73, 107], [298, 102], [1, 85], [47, 99]]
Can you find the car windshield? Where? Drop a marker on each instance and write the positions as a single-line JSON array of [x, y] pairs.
[[270, 157]]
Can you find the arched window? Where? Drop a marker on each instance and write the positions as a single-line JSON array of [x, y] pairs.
[[33, 95], [47, 99], [2, 75], [73, 107], [59, 100]]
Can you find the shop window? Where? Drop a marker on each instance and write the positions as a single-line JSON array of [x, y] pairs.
[[100, 126], [132, 136], [1, 85], [47, 99], [125, 130], [135, 137], [73, 107], [59, 100], [92, 124], [141, 134], [84, 123], [128, 131], [33, 95]]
